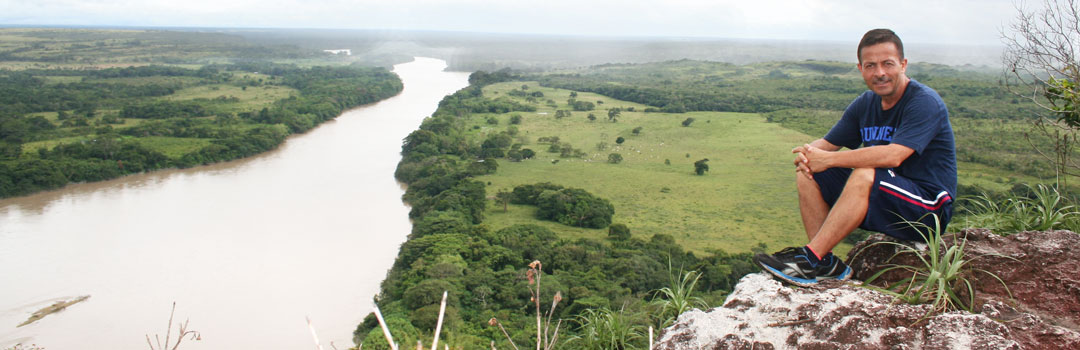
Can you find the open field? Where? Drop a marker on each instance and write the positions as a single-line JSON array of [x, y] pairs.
[[250, 98], [747, 196]]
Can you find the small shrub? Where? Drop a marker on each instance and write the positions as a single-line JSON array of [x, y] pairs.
[[618, 232], [701, 166]]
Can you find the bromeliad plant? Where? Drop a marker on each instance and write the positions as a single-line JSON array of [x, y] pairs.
[[941, 279]]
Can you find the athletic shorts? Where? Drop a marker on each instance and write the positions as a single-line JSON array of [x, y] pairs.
[[895, 202]]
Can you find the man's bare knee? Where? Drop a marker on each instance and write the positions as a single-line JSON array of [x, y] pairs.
[[862, 176]]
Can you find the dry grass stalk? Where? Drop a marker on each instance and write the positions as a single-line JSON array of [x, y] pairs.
[[183, 331], [650, 337], [554, 338], [438, 326], [545, 338], [534, 276], [495, 322], [313, 335], [385, 329]]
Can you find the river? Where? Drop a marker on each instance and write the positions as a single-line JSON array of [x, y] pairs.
[[247, 249]]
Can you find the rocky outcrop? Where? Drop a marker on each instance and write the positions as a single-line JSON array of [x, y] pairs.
[[1040, 309]]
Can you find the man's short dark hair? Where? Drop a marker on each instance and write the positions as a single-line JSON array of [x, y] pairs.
[[877, 36]]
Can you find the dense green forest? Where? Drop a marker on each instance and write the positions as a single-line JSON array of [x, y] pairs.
[[82, 122]]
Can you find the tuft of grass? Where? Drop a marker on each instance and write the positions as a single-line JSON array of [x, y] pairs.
[[942, 277], [603, 329], [1045, 209]]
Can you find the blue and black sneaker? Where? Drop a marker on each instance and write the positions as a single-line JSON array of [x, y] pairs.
[[793, 266]]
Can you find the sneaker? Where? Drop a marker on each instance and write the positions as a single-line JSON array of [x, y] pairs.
[[793, 266]]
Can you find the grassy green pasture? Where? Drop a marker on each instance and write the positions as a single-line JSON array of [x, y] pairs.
[[171, 146], [174, 147], [32, 147], [141, 81], [747, 197], [251, 99]]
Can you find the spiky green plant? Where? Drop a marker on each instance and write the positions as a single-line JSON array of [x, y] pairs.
[[603, 329], [677, 297], [941, 279]]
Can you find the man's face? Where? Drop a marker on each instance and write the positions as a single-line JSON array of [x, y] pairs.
[[883, 69]]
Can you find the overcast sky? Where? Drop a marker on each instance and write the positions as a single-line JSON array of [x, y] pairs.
[[928, 21]]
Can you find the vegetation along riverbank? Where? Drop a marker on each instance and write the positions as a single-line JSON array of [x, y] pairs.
[[79, 106]]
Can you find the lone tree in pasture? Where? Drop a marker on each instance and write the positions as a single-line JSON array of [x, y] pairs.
[[503, 197], [701, 166], [1042, 65], [592, 117], [637, 131], [613, 114], [619, 140], [688, 121], [614, 158], [573, 94]]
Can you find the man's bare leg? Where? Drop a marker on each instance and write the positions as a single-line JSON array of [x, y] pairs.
[[847, 214], [812, 205]]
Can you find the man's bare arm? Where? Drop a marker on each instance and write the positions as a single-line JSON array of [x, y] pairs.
[[825, 145], [884, 156]]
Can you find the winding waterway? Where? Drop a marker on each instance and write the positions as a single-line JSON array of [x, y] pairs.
[[246, 249]]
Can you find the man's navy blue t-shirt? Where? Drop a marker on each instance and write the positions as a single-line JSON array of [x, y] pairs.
[[919, 121]]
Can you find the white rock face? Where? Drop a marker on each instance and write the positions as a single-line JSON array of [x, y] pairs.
[[761, 313]]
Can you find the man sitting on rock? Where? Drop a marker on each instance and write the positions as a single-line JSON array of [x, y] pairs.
[[899, 168]]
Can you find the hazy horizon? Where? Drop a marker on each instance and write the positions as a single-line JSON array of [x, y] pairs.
[[916, 21]]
